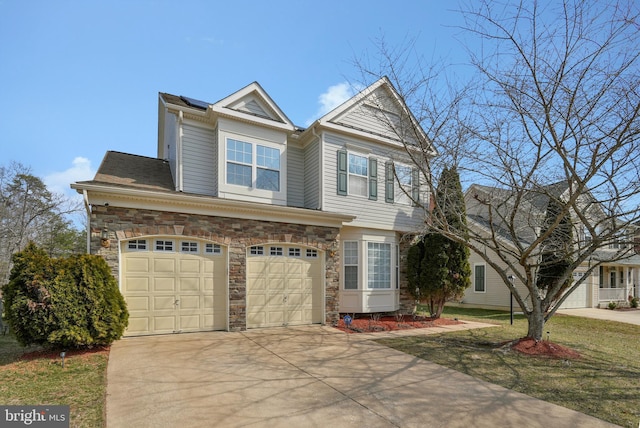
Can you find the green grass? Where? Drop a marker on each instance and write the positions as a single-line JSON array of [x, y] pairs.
[[81, 384], [604, 383]]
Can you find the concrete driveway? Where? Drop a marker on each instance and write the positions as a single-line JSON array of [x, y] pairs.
[[305, 377], [629, 317]]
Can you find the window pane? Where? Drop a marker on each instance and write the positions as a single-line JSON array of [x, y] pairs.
[[350, 253], [351, 277], [358, 165], [358, 185], [268, 157], [268, 179], [238, 174], [404, 175], [479, 278], [379, 265], [239, 151]]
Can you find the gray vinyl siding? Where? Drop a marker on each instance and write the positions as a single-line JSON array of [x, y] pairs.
[[367, 117], [295, 180], [370, 213], [198, 158], [214, 167], [312, 175]]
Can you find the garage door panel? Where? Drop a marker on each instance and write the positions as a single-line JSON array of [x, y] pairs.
[[164, 303], [189, 266], [164, 265], [137, 284], [138, 265], [164, 284], [189, 284], [190, 322], [164, 324], [189, 302], [138, 303], [138, 324]]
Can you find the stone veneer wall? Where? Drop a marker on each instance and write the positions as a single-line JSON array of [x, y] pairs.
[[235, 234]]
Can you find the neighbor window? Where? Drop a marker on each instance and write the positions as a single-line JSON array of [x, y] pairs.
[[350, 265], [378, 265], [246, 161], [479, 283]]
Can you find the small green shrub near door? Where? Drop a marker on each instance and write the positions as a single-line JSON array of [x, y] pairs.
[[69, 302]]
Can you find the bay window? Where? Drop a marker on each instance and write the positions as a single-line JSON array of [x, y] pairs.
[[379, 265]]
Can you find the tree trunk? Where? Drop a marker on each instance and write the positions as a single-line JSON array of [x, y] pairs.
[[536, 324]]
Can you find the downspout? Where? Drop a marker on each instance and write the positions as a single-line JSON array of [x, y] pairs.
[[85, 198]]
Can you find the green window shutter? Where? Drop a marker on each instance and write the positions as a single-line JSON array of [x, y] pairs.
[[388, 182], [342, 172], [415, 185], [373, 179]]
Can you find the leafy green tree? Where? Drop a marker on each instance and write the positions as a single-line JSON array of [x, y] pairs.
[[438, 267]]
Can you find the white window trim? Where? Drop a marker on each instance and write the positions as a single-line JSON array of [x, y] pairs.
[[188, 251], [137, 241], [391, 266], [164, 241], [484, 265], [358, 266], [216, 249]]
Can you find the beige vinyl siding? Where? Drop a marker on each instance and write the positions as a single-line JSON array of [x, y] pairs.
[[370, 213], [496, 294], [295, 181], [198, 159], [312, 175]]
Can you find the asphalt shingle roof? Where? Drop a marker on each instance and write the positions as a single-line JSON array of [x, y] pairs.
[[129, 170]]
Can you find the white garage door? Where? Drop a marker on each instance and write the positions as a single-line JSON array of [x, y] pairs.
[[577, 299], [174, 285], [285, 286]]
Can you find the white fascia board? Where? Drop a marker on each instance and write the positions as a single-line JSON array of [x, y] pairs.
[[206, 205]]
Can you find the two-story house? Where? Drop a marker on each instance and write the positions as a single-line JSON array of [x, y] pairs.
[[245, 220], [617, 266]]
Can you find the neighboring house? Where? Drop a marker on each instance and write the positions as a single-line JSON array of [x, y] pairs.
[[614, 280], [245, 220]]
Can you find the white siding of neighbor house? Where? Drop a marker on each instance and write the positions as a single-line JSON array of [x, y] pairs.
[[198, 157], [170, 143], [312, 175], [496, 294], [296, 171], [370, 213]]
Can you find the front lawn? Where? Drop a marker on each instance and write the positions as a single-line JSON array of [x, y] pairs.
[[604, 382], [40, 379]]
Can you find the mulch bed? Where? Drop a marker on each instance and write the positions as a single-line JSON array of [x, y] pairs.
[[367, 324], [544, 348]]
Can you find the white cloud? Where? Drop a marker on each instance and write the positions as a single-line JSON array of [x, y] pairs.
[[59, 182], [335, 95]]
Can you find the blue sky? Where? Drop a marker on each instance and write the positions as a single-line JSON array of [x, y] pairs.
[[79, 78]]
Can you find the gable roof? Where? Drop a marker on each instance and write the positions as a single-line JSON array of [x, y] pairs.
[[127, 170], [253, 100], [385, 114]]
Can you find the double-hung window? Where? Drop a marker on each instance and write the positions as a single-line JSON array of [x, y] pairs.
[[404, 174], [351, 265], [253, 165], [358, 175]]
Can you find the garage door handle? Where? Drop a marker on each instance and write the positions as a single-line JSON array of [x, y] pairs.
[[176, 302], [284, 299]]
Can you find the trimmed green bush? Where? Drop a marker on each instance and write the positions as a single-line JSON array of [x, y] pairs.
[[69, 302]]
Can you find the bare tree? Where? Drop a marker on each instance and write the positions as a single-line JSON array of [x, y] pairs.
[[30, 212], [552, 114]]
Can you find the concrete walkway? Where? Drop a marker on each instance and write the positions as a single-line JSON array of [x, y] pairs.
[[309, 376], [629, 317]]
